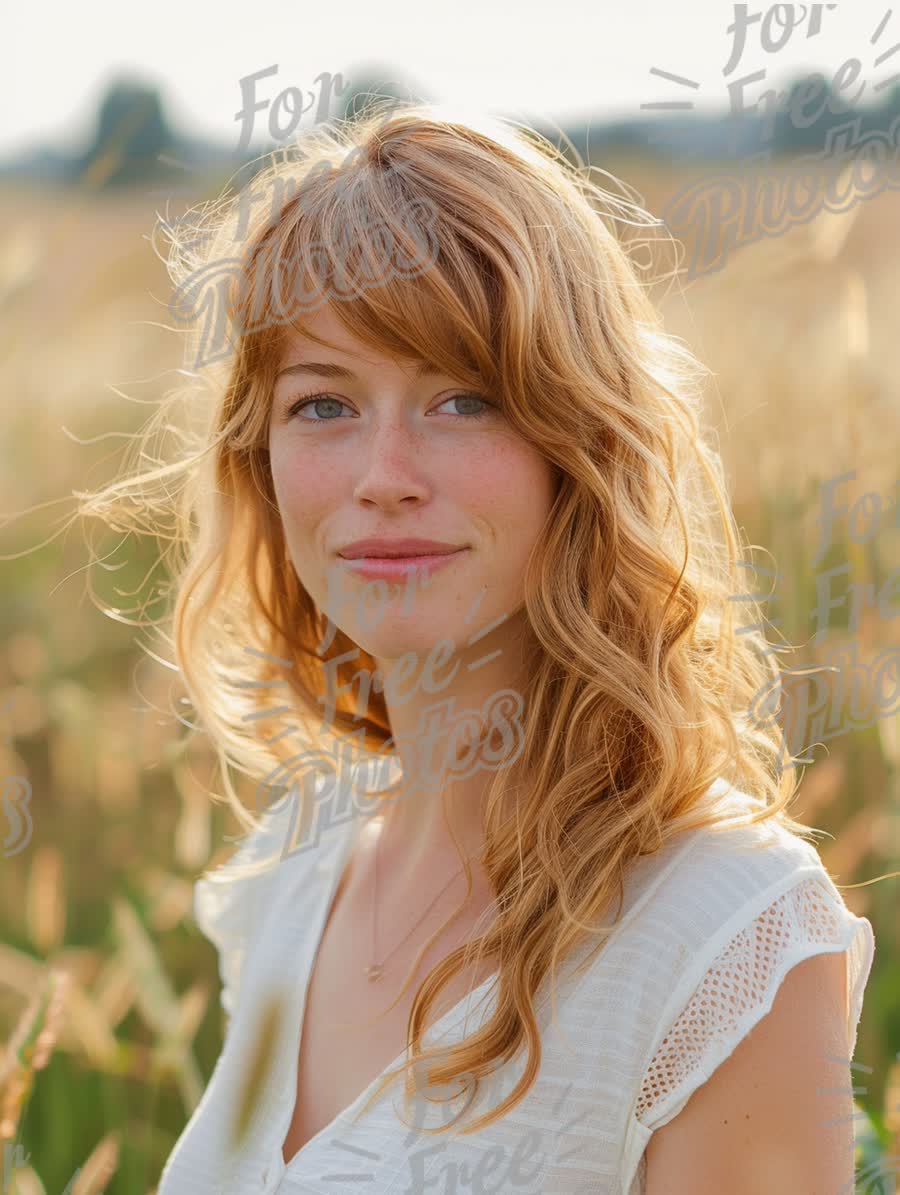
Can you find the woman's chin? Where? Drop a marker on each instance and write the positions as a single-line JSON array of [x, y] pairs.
[[394, 644]]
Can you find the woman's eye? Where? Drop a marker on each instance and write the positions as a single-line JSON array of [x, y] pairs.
[[314, 400], [486, 406]]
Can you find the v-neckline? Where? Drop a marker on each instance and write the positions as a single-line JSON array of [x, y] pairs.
[[300, 992], [299, 1002]]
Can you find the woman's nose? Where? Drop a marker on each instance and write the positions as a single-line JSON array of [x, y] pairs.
[[392, 465]]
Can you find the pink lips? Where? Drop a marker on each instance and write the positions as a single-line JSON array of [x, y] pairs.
[[397, 548], [396, 568], [394, 559]]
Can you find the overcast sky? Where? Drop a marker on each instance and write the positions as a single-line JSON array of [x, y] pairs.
[[528, 60]]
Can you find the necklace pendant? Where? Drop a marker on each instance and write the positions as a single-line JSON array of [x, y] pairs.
[[375, 971]]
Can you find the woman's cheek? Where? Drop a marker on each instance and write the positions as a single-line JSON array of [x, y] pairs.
[[502, 475], [304, 487]]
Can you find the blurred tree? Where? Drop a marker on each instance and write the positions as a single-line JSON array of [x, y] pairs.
[[132, 131], [811, 108]]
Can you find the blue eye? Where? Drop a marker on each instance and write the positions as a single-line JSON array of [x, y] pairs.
[[487, 407], [298, 406], [314, 399]]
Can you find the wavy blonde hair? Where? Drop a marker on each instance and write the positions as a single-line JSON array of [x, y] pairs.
[[641, 686]]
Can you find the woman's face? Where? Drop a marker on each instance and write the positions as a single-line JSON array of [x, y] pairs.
[[389, 454]]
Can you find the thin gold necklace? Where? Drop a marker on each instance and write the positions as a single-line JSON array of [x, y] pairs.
[[376, 970]]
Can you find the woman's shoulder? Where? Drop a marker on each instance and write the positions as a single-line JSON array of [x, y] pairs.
[[737, 908], [731, 859], [229, 900], [730, 894], [256, 855]]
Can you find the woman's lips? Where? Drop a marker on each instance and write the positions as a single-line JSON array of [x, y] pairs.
[[392, 568]]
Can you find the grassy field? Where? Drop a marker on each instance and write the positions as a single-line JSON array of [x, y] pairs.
[[800, 333]]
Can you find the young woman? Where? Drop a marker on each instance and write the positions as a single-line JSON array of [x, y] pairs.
[[450, 512]]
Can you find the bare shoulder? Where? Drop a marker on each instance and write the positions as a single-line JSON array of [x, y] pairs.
[[776, 1115]]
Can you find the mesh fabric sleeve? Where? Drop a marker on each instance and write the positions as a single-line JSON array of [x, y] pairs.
[[739, 988]]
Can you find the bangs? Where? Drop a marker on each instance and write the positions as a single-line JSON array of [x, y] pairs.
[[393, 270]]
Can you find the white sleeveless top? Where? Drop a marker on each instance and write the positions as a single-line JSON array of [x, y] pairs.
[[709, 927]]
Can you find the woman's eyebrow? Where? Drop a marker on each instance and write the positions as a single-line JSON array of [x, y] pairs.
[[329, 369]]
